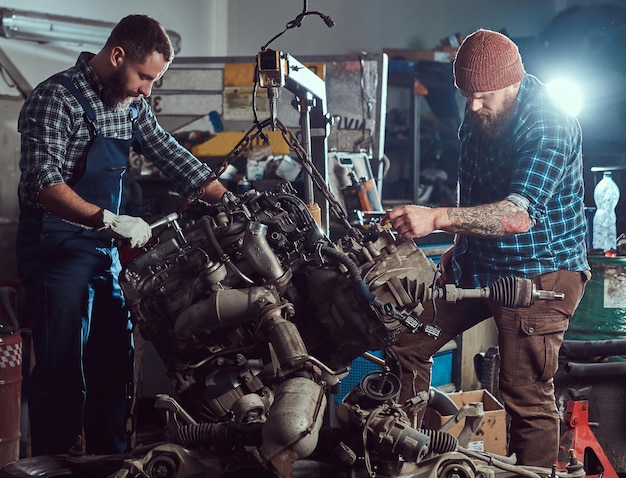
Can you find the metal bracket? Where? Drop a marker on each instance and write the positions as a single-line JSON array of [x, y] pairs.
[[473, 413]]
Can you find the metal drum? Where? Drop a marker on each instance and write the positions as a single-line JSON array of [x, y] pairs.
[[601, 314], [10, 393]]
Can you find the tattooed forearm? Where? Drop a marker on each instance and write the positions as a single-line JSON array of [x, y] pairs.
[[493, 220]]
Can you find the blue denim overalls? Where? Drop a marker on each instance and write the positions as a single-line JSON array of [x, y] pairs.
[[82, 381]]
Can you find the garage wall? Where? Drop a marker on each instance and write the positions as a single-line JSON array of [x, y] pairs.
[[9, 176], [369, 25]]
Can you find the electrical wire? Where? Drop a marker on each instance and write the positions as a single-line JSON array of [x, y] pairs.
[[297, 22]]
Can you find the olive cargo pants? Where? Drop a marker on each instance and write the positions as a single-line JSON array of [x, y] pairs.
[[529, 340]]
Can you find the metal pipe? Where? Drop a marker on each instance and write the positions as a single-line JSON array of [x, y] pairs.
[[578, 349], [589, 370]]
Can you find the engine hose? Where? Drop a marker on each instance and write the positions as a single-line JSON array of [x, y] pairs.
[[441, 402], [313, 234], [300, 208], [441, 442], [353, 270], [208, 228], [361, 287], [223, 257]]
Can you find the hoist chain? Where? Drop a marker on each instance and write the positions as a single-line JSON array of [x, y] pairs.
[[243, 145], [334, 206]]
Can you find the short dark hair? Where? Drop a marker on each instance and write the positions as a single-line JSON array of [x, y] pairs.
[[140, 36]]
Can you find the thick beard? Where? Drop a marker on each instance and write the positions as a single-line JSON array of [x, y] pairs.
[[492, 125], [114, 92]]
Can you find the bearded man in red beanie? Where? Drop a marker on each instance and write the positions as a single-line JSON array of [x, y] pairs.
[[520, 213]]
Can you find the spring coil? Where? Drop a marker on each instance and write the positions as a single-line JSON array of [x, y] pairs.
[[209, 434]]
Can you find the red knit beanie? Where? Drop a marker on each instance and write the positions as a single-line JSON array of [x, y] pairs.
[[487, 61]]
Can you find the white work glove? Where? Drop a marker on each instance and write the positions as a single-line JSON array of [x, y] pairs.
[[133, 229]]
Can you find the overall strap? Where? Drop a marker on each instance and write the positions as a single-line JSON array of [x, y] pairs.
[[133, 114], [69, 85]]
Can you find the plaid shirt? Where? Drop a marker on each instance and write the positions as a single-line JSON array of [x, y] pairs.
[[55, 136], [538, 163]]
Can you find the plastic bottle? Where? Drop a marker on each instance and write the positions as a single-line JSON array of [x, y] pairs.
[[606, 195]]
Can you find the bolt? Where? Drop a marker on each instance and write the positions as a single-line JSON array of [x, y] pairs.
[[161, 471], [163, 467]]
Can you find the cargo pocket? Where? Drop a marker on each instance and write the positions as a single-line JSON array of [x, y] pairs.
[[540, 341], [569, 283]]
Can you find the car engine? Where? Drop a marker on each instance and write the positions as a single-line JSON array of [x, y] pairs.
[[258, 315]]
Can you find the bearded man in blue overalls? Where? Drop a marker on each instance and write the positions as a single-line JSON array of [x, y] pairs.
[[77, 129]]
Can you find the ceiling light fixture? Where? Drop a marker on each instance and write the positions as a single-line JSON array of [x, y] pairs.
[[45, 28]]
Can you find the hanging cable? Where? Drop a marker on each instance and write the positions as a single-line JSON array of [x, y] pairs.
[[297, 22]]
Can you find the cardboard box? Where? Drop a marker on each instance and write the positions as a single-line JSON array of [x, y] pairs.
[[491, 435]]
